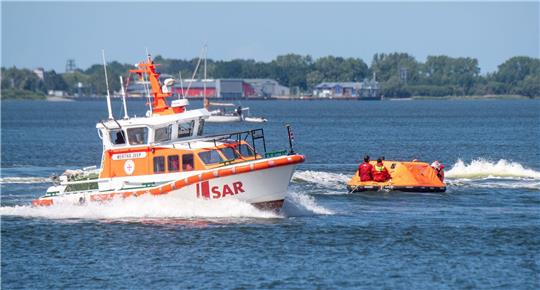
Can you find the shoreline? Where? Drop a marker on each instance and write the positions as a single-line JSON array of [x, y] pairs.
[[486, 97], [413, 98]]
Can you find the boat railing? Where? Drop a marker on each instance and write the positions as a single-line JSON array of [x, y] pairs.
[[250, 136]]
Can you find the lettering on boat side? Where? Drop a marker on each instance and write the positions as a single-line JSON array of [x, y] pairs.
[[129, 167], [204, 190], [131, 155]]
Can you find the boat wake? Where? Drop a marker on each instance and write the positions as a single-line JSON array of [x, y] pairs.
[[482, 169], [148, 207], [24, 180], [299, 204], [330, 182], [482, 173]]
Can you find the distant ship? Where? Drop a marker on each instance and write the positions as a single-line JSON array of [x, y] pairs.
[[237, 114]]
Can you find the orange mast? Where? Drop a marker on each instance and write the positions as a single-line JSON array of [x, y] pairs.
[[159, 104]]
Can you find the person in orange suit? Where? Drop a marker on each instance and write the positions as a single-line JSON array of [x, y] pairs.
[[365, 170], [380, 173]]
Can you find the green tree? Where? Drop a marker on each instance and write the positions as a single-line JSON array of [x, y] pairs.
[[314, 78], [291, 69], [22, 79], [516, 69], [530, 86], [401, 65], [54, 81], [395, 88], [72, 80]]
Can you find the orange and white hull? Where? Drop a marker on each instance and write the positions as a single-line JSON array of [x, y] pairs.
[[262, 183]]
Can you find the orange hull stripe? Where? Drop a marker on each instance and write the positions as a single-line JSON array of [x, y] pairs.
[[42, 202]]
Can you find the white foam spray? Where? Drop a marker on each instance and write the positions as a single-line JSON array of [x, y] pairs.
[[485, 169], [23, 180], [322, 178], [149, 207], [299, 204], [142, 207]]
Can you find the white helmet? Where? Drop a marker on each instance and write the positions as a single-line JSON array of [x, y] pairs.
[[436, 164]]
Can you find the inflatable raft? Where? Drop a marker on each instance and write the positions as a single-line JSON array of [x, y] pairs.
[[406, 176]]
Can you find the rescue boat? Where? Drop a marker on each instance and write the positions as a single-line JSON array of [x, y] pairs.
[[166, 153], [406, 176]]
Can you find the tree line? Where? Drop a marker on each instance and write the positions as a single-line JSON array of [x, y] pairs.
[[399, 75]]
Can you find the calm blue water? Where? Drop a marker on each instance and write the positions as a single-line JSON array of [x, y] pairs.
[[482, 233]]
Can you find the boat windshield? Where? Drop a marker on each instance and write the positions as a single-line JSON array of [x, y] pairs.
[[210, 157], [118, 137], [229, 153], [245, 150], [185, 129], [163, 134], [137, 136]]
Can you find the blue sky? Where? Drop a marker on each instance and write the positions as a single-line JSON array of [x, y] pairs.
[[46, 34]]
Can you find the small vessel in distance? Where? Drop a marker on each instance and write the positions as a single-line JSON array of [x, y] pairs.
[[166, 153], [223, 115], [406, 176]]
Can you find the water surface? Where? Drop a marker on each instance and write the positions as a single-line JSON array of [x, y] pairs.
[[482, 233]]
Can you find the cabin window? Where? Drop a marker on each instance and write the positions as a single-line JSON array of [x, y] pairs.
[[229, 153], [201, 127], [210, 157], [81, 186], [185, 129], [163, 134], [159, 164], [118, 137], [173, 163], [187, 162], [245, 150], [137, 136]]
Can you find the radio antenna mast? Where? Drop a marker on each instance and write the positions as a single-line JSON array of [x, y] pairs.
[[107, 84], [181, 85], [204, 81], [124, 97]]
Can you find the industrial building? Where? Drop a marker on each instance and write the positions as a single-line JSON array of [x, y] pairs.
[[267, 88]]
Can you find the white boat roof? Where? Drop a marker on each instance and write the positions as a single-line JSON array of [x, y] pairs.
[[155, 120]]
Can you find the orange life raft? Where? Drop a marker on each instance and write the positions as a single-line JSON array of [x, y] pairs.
[[406, 176]]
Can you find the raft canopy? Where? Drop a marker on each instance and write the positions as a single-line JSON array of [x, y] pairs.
[[406, 176]]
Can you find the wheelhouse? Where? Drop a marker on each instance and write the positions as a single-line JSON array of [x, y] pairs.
[[149, 131]]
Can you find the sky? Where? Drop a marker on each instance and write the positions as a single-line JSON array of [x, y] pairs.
[[46, 34]]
